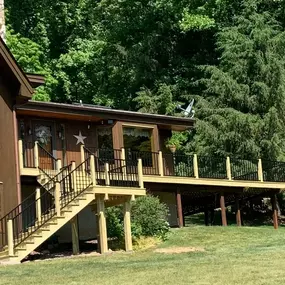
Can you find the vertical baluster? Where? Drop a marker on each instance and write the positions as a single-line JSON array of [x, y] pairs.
[[10, 233]]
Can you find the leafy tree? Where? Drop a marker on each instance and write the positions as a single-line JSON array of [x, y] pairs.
[[244, 95]]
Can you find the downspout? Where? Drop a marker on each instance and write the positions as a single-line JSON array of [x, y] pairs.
[[18, 178]]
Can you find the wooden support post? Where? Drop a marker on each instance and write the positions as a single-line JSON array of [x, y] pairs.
[[73, 185], [97, 231], [58, 165], [228, 166], [260, 172], [107, 176], [160, 164], [75, 235], [275, 212], [223, 209], [57, 198], [10, 236], [140, 173], [195, 166], [38, 205], [36, 154], [179, 209], [102, 224], [238, 214], [21, 154], [93, 170], [127, 225]]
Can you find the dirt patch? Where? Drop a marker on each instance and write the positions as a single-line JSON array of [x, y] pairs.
[[172, 250]]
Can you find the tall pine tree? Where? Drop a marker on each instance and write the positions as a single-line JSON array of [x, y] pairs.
[[242, 109]]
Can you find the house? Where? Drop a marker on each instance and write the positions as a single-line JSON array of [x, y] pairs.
[[63, 164]]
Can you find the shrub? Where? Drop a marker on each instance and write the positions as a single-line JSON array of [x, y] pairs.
[[150, 215], [115, 226], [148, 218]]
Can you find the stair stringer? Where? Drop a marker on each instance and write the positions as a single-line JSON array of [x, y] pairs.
[[53, 225]]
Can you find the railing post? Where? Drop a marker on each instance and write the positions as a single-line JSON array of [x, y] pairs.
[[140, 173], [82, 155], [57, 198], [58, 165], [195, 166], [260, 172], [10, 235], [93, 170], [73, 178], [228, 166], [160, 163], [36, 154], [107, 178], [21, 154], [123, 158], [38, 205]]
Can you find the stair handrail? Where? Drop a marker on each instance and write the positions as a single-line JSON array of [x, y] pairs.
[[79, 180], [49, 156], [27, 203]]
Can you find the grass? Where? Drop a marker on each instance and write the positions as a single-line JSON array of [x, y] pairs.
[[232, 256]]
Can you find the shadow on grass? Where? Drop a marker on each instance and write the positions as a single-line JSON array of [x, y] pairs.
[[254, 219]]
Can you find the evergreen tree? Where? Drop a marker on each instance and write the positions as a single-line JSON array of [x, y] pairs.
[[242, 109]]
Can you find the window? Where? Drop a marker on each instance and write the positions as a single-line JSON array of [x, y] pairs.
[[105, 139], [137, 139]]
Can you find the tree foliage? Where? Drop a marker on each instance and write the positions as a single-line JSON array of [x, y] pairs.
[[150, 55]]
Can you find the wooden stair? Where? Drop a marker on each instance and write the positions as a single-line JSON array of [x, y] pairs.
[[47, 229], [65, 194]]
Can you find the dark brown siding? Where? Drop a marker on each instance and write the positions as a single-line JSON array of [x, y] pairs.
[[73, 128], [7, 149]]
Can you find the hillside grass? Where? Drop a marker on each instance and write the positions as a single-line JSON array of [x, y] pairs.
[[247, 255]]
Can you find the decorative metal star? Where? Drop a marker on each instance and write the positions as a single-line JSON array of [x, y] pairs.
[[80, 138]]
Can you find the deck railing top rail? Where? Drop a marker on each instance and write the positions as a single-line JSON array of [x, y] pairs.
[[197, 166]]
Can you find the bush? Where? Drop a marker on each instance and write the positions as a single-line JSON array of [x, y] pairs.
[[150, 215], [115, 225], [148, 218]]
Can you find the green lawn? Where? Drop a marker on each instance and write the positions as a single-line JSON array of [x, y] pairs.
[[232, 255]]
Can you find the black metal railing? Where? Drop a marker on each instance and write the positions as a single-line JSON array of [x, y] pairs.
[[105, 155], [212, 167], [273, 171], [149, 161], [178, 165], [26, 222], [47, 162], [242, 169], [123, 174], [28, 155], [23, 216], [74, 184]]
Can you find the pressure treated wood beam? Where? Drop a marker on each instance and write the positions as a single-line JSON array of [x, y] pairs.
[[127, 225], [238, 214], [223, 209], [75, 235], [179, 208], [275, 213], [102, 224]]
